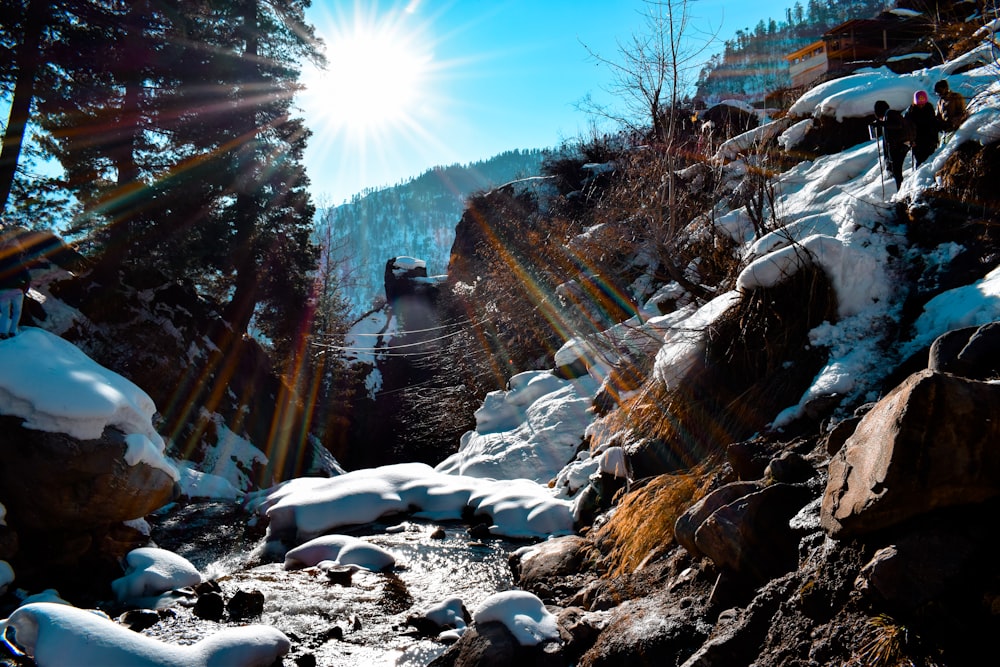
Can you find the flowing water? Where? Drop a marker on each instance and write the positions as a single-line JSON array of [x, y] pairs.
[[363, 623]]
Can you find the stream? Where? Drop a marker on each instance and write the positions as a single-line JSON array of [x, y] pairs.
[[331, 625]]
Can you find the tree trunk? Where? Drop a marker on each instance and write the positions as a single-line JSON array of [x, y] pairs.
[[28, 61], [239, 310], [124, 204]]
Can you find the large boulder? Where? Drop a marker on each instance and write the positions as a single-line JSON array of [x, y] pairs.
[[930, 443], [68, 499], [56, 481]]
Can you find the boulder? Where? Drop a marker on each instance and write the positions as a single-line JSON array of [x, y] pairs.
[[493, 645], [750, 538], [67, 500], [557, 566], [972, 352], [689, 522], [930, 443], [64, 484]]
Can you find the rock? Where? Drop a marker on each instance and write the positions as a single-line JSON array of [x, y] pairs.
[[790, 468], [651, 457], [838, 435], [972, 352], [689, 522], [245, 604], [492, 645], [928, 564], [438, 534], [651, 630], [88, 484], [929, 443], [340, 575], [209, 606], [554, 567], [582, 627], [750, 537], [139, 619]]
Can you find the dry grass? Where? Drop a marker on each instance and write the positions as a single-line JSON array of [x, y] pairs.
[[644, 520]]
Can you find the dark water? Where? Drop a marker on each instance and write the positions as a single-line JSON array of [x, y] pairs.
[[360, 624]]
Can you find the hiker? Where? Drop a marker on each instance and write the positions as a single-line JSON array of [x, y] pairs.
[[14, 283], [922, 125], [950, 107], [890, 126]]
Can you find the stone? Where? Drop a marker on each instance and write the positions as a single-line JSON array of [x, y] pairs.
[[751, 537], [87, 483], [930, 443], [971, 352], [245, 604], [493, 645], [209, 606], [555, 567], [689, 522], [790, 468]]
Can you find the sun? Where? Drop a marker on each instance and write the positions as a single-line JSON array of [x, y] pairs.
[[377, 74]]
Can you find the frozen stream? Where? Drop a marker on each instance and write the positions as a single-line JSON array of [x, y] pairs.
[[360, 624]]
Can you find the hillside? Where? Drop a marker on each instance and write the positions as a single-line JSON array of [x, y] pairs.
[[415, 218]]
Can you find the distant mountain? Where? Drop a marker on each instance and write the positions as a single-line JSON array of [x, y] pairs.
[[416, 218]]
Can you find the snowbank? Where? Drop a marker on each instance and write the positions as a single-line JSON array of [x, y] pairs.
[[309, 507], [55, 387], [529, 431], [57, 635], [339, 550], [150, 572], [523, 614]]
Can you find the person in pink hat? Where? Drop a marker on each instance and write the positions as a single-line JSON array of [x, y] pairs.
[[923, 127]]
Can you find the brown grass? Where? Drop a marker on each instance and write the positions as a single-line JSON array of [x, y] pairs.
[[644, 520]]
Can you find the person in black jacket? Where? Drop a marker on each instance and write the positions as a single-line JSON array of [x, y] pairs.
[[14, 283], [891, 128], [923, 124]]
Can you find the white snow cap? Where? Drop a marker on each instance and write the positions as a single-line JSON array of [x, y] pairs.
[[57, 635], [151, 572], [55, 387], [339, 550], [523, 614], [312, 506], [403, 264]]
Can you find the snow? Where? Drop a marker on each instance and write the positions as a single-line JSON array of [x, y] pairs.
[[55, 387], [855, 96], [339, 550], [403, 264], [446, 613], [531, 430], [523, 614], [56, 635], [967, 306], [150, 572], [309, 507], [684, 342]]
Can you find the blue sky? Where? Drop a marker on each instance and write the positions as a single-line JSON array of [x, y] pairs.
[[419, 83]]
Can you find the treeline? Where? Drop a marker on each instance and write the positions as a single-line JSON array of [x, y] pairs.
[[415, 218], [173, 124], [753, 63]]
